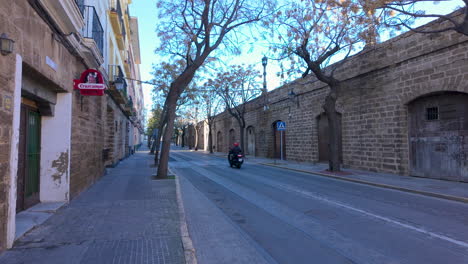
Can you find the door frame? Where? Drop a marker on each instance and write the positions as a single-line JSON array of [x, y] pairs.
[[252, 138], [25, 202]]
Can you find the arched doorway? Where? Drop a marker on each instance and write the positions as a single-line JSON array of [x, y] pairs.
[[219, 142], [250, 141], [232, 137], [324, 138], [438, 136], [277, 142]]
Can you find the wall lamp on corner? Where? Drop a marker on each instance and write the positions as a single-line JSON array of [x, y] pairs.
[[6, 44], [293, 97]]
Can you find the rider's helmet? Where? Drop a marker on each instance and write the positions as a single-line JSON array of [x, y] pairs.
[[236, 144]]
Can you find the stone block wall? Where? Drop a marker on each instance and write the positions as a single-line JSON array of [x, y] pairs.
[[378, 83], [88, 128], [34, 42], [99, 124]]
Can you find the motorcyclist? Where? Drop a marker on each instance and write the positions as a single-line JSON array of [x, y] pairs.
[[235, 150]]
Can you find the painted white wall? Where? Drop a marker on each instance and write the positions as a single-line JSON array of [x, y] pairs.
[[55, 151], [11, 218]]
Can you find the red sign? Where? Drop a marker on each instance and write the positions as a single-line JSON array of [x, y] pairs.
[[90, 83]]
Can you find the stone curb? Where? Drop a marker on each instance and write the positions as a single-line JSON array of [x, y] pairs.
[[437, 195], [189, 250]]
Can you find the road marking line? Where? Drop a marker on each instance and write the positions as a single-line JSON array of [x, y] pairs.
[[414, 228], [321, 198]]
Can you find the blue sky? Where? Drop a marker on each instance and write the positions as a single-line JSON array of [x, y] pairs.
[[145, 11]]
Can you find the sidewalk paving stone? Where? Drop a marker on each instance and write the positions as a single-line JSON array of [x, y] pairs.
[[125, 217]]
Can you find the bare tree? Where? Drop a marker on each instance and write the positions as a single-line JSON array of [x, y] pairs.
[[238, 85], [319, 33], [164, 74], [402, 14], [212, 104], [192, 30]]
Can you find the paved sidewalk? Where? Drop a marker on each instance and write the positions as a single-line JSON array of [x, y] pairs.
[[126, 217], [217, 239], [456, 191]]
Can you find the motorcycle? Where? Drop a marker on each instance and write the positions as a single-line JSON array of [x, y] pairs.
[[236, 160]]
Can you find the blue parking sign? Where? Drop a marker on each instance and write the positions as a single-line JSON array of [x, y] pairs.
[[280, 126]]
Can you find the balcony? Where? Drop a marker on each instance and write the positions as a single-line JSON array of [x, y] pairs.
[[93, 35], [118, 84], [118, 25], [65, 13], [128, 107]]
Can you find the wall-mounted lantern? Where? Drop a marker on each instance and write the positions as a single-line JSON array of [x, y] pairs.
[[293, 97], [119, 83], [6, 44]]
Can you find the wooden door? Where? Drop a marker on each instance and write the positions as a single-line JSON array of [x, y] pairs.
[[250, 141], [438, 135], [28, 158], [324, 138]]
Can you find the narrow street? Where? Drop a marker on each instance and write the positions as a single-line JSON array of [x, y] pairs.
[[256, 214], [260, 214]]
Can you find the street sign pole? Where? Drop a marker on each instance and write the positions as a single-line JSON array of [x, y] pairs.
[[281, 126], [281, 144]]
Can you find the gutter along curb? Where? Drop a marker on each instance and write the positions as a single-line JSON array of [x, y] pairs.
[[189, 250], [381, 185]]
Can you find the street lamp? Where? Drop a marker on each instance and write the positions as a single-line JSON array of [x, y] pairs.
[[265, 102], [119, 83], [293, 97], [6, 44]]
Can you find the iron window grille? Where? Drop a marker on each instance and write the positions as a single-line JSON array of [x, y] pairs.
[[116, 7], [93, 27], [432, 113]]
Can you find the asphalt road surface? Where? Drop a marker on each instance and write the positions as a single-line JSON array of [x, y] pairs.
[[261, 214]]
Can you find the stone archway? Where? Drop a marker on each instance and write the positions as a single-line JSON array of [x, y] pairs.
[[324, 139], [438, 136], [250, 149]]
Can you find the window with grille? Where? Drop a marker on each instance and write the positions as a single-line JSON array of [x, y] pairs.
[[432, 113]]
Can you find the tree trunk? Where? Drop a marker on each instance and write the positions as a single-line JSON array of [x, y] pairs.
[[210, 139], [168, 132], [333, 126], [242, 132], [196, 137], [157, 144], [153, 146], [183, 138], [177, 87], [189, 137]]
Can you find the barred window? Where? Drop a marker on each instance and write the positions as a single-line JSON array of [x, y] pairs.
[[432, 113]]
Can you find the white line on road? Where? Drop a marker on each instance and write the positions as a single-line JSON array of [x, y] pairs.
[[290, 188], [414, 228]]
